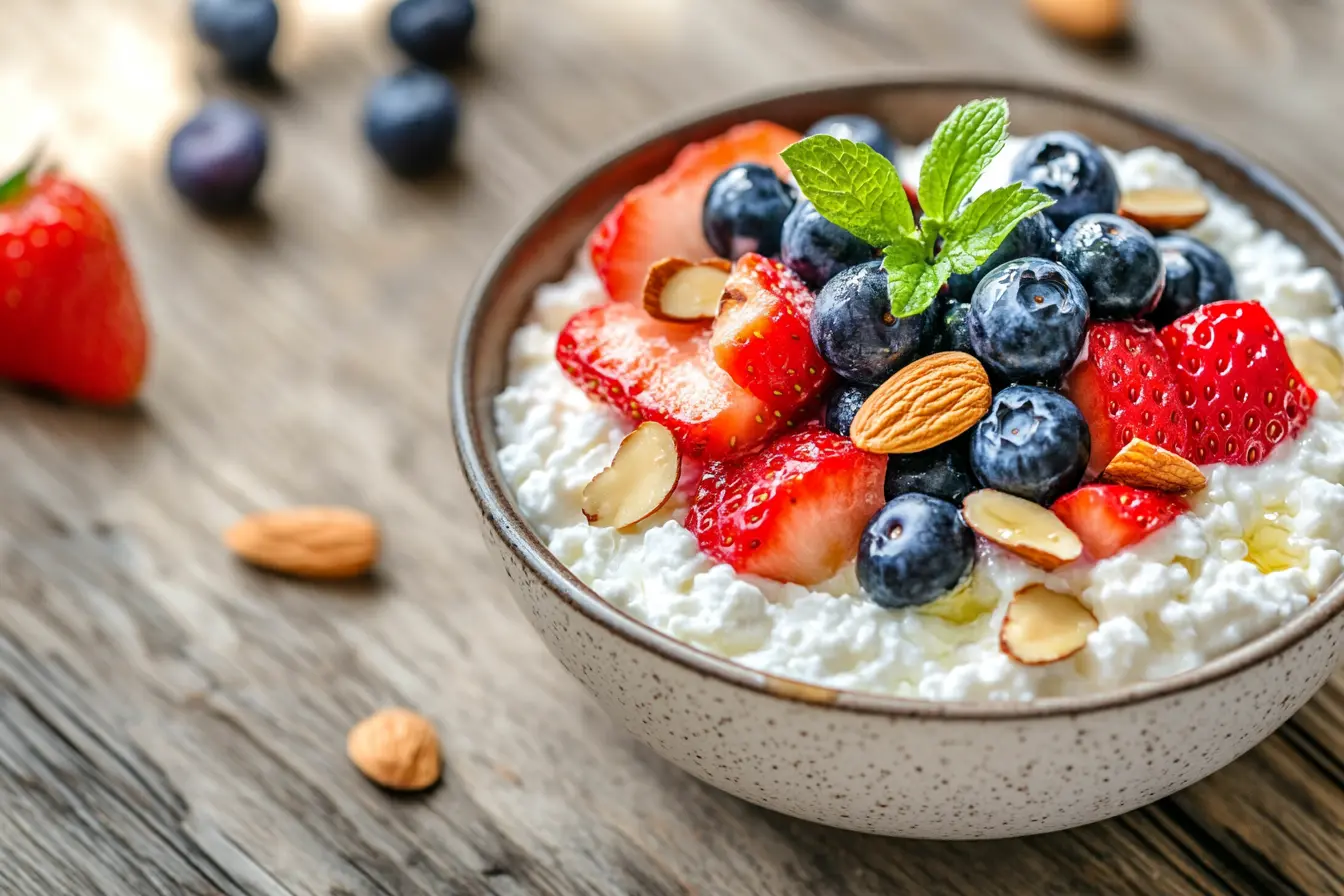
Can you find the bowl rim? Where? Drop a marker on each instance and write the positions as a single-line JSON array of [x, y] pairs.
[[500, 512]]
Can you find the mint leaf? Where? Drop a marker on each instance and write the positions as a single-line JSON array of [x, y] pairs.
[[978, 229], [853, 186], [961, 149], [912, 280]]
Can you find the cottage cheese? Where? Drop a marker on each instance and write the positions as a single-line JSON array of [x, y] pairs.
[[1183, 596]]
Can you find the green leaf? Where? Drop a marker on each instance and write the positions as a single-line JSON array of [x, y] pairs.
[[912, 280], [853, 186], [978, 229], [961, 150]]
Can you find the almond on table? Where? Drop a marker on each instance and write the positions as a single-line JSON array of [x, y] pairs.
[[307, 542]]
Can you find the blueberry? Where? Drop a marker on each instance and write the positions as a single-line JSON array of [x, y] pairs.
[[1028, 319], [241, 31], [410, 120], [1033, 443], [216, 159], [1069, 169], [859, 129], [948, 331], [815, 249], [854, 330], [842, 404], [432, 32], [1117, 261], [745, 210], [1196, 275], [941, 472], [1034, 237], [913, 551]]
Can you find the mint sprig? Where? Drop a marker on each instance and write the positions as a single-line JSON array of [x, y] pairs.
[[855, 187]]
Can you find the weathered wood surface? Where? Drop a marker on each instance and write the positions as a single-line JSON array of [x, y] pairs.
[[173, 723]]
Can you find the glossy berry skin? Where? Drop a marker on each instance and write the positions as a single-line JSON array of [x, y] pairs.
[[410, 120], [1109, 518], [1071, 170], [1196, 275], [842, 405], [913, 551], [853, 328], [1118, 263], [1028, 319], [1033, 443], [241, 31], [745, 210], [216, 159], [941, 472], [435, 33], [815, 249], [859, 129], [951, 330], [1034, 237]]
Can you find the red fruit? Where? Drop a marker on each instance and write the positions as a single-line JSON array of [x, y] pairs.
[[70, 319], [1109, 518], [792, 512], [655, 370], [1125, 387], [1241, 391], [761, 335], [661, 218]]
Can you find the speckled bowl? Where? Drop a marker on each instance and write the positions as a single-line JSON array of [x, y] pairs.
[[856, 760]]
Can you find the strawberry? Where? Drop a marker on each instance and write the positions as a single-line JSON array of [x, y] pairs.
[[1241, 392], [661, 218], [761, 336], [1125, 387], [70, 319], [793, 511], [1109, 518]]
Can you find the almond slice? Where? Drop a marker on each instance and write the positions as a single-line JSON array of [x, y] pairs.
[[1145, 465], [640, 479], [1043, 626], [935, 399], [1164, 208], [1029, 530], [685, 291], [1320, 364]]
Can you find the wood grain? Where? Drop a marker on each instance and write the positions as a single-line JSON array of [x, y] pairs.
[[174, 722]]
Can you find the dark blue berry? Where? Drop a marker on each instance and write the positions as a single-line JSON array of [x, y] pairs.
[[842, 404], [433, 32], [1033, 443], [941, 472], [855, 331], [859, 129], [216, 159], [410, 120], [914, 550], [745, 210], [1071, 170], [1028, 319], [1034, 237], [1118, 263], [815, 249], [241, 31], [1196, 275]]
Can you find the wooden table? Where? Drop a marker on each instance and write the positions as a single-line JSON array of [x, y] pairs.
[[172, 722]]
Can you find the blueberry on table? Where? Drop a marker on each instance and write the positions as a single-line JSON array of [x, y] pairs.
[[216, 159], [410, 120], [855, 331], [433, 32], [1033, 237], [1117, 261], [843, 404], [859, 129], [1028, 319], [1071, 170], [815, 249], [914, 550], [941, 472], [241, 31], [1033, 443], [1196, 275], [745, 210]]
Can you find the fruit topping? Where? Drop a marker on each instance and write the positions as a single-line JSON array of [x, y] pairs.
[[1070, 169], [1043, 626], [1027, 320], [913, 551], [859, 129], [1028, 530], [942, 472], [1033, 443], [1118, 263], [1109, 518], [745, 210], [1033, 237], [842, 404], [216, 159], [410, 120], [435, 33], [815, 249], [855, 331], [1196, 275], [932, 401], [685, 291], [1144, 465], [641, 477], [241, 31], [1320, 364], [1160, 209]]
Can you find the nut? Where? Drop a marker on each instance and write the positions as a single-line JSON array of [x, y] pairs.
[[685, 291], [1043, 626], [640, 479], [1320, 364], [1083, 19], [397, 749], [1029, 530], [309, 542], [1145, 465], [935, 399], [1160, 208]]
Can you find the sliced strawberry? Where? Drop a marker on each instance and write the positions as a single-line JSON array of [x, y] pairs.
[[661, 218], [1125, 387], [792, 512], [1242, 394], [1109, 518]]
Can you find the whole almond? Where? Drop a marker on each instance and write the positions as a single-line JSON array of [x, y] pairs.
[[397, 749], [1144, 465], [1083, 19], [309, 542], [935, 399]]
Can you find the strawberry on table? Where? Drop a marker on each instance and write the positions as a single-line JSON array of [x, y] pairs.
[[1109, 518]]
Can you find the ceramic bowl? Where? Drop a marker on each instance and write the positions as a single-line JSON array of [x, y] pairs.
[[856, 760]]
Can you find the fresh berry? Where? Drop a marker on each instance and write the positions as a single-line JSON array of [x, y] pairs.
[[843, 404], [815, 249], [1033, 443], [951, 330], [1071, 170], [1110, 518], [793, 511], [1125, 387], [410, 120], [1034, 237], [1118, 263], [915, 550], [241, 31], [216, 159], [760, 336], [853, 327], [649, 369], [1241, 392], [661, 218], [70, 319], [1196, 275], [433, 32], [1028, 319], [745, 210], [942, 472], [859, 129]]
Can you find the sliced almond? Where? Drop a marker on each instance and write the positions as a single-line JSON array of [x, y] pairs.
[[1029, 530], [1320, 364], [1083, 19], [1145, 465], [935, 399], [685, 291], [309, 542], [1164, 208], [1043, 626], [640, 479]]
